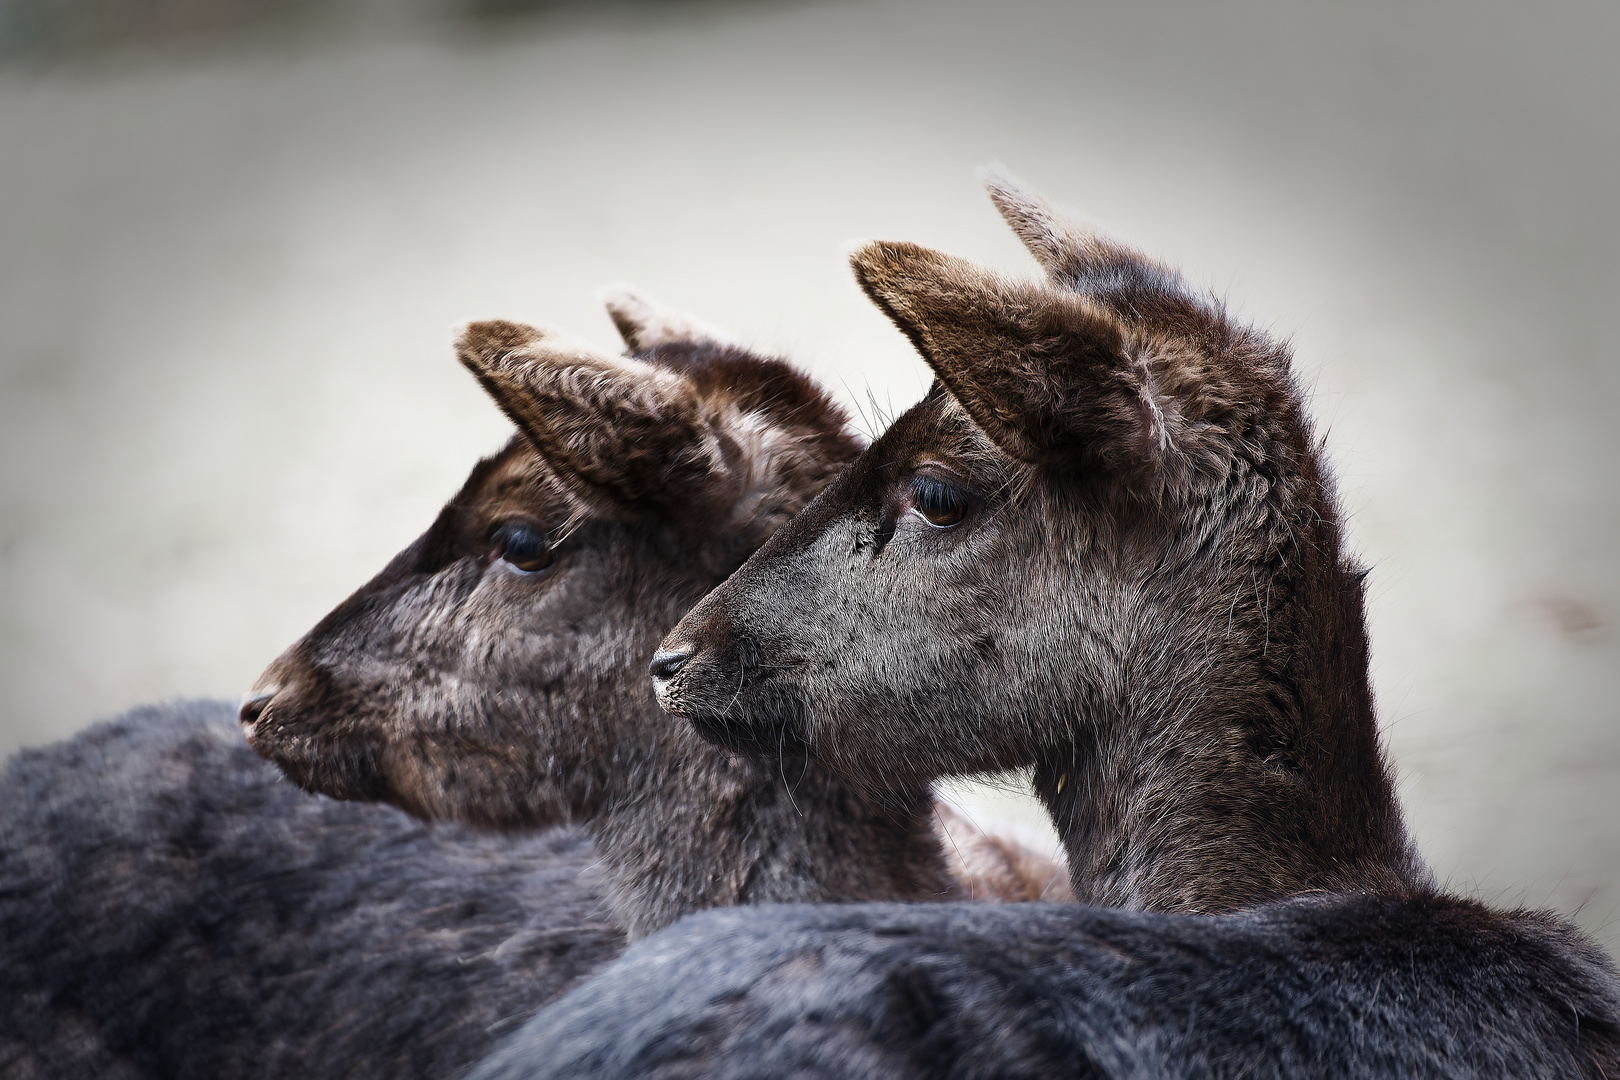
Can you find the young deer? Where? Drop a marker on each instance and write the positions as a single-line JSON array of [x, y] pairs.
[[170, 907], [492, 674], [1104, 545]]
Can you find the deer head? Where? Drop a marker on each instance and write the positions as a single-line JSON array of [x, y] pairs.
[[481, 676], [1103, 545]]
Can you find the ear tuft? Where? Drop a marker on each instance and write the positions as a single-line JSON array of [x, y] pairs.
[[645, 324], [908, 281], [1070, 247], [727, 441], [511, 358], [623, 437], [1044, 372], [964, 324], [898, 266], [490, 338]]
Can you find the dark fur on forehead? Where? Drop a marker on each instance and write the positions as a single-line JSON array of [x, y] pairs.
[[515, 468], [939, 429]]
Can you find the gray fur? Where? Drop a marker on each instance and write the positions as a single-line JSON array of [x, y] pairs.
[[1147, 600], [170, 907], [1103, 545], [459, 687], [1353, 986]]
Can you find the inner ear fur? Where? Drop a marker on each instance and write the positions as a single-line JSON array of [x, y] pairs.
[[1046, 373], [625, 438]]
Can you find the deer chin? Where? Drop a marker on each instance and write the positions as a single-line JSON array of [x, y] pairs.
[[758, 716], [434, 779], [745, 738], [341, 764]]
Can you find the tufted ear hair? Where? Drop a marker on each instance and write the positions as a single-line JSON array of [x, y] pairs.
[[626, 439], [645, 324], [1048, 374], [1075, 251]]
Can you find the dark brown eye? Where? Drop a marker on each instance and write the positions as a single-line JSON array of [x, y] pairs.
[[522, 547], [940, 504]]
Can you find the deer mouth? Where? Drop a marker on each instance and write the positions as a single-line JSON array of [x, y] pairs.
[[720, 680], [748, 712], [284, 727]]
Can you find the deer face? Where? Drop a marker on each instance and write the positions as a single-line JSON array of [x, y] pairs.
[[919, 594], [493, 672], [1067, 522], [448, 682]]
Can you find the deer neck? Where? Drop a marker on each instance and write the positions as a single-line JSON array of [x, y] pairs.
[[1238, 773], [703, 828]]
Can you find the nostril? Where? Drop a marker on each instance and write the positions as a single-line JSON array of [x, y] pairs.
[[666, 665], [252, 706]]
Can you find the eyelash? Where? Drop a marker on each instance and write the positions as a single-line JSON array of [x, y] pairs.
[[526, 550], [941, 505]]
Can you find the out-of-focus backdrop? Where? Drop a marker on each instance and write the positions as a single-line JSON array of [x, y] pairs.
[[235, 236]]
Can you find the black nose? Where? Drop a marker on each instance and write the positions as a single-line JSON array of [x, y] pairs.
[[665, 665], [253, 706]]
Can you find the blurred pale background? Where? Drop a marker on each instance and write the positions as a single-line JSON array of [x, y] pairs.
[[234, 238]]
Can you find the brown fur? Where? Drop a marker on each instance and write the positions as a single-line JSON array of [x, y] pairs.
[[1147, 599], [991, 864], [1109, 550], [458, 687]]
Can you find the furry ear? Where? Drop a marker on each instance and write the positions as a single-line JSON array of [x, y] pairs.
[[645, 324], [1072, 250], [1047, 373], [625, 438]]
